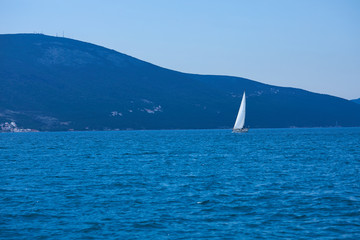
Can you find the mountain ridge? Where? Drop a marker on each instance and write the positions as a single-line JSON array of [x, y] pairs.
[[54, 83], [356, 100]]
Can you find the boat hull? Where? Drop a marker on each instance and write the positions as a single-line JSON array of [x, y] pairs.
[[241, 130]]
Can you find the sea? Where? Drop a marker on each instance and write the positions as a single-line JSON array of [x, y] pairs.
[[181, 184]]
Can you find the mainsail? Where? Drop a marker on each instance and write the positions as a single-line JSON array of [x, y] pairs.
[[240, 120]]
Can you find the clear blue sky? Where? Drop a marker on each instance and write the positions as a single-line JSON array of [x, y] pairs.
[[309, 44]]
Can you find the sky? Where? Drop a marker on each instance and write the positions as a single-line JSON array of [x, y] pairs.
[[308, 44]]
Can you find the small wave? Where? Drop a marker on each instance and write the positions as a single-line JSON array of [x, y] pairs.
[[148, 225], [33, 215], [93, 227], [142, 153], [203, 202]]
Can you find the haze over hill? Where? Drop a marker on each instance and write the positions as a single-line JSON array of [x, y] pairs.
[[54, 83]]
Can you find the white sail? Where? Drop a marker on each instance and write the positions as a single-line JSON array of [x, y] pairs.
[[240, 120]]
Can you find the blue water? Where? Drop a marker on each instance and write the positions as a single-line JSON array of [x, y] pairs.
[[186, 184]]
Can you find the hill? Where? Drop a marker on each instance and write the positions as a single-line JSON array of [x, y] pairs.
[[356, 100], [54, 83]]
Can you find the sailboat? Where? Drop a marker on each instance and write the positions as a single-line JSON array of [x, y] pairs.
[[240, 120]]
